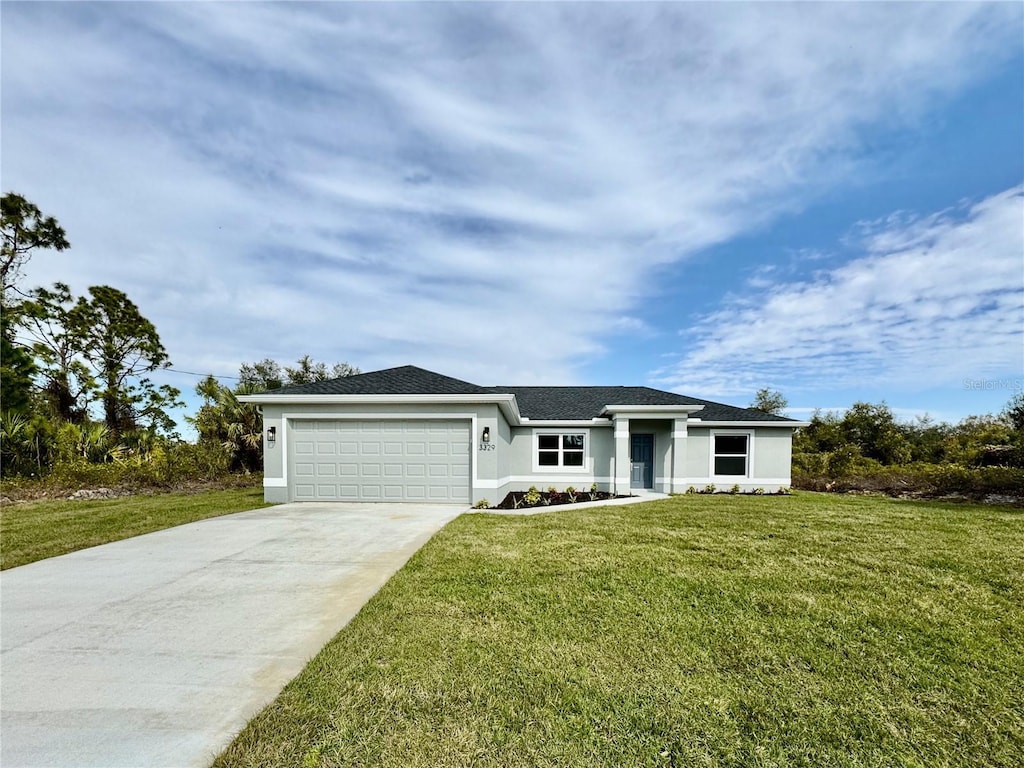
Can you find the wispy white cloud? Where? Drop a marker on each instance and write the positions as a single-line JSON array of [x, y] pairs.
[[931, 301], [484, 190]]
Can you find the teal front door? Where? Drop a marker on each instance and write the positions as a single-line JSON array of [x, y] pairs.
[[641, 456]]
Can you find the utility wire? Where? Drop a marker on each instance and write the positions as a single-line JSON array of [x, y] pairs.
[[201, 375]]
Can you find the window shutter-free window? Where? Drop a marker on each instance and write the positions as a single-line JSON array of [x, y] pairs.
[[547, 450], [561, 449], [731, 455], [572, 450]]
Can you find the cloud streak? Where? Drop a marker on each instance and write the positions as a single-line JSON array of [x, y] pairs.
[[931, 301], [485, 190]]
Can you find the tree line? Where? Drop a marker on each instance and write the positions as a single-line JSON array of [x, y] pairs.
[[76, 399], [77, 404], [866, 447]]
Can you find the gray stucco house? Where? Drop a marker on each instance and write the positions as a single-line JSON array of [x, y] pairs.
[[407, 434]]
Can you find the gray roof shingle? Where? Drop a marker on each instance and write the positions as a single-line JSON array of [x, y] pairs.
[[405, 380], [590, 402], [536, 403]]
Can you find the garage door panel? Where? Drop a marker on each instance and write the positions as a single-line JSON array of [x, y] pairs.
[[384, 460]]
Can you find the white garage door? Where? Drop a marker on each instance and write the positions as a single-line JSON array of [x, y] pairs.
[[416, 460]]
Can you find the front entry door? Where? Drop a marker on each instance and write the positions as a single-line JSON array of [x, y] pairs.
[[641, 452]]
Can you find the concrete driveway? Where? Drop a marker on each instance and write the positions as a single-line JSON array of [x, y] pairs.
[[155, 651]]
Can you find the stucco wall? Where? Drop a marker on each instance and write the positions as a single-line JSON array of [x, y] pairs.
[[508, 464], [487, 460], [597, 463], [772, 454], [662, 431]]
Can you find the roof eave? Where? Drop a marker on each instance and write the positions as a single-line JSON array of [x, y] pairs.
[[507, 403], [789, 423]]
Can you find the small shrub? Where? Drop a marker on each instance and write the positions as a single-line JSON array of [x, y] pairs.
[[691, 489], [758, 491], [532, 497], [735, 489], [571, 493], [482, 504], [710, 488]]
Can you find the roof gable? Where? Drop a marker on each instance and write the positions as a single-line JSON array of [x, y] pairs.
[[405, 380]]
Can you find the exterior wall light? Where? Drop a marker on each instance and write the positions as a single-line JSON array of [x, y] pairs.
[[486, 436], [271, 435]]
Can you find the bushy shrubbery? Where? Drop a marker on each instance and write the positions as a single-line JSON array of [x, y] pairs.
[[919, 479], [164, 465], [866, 449]]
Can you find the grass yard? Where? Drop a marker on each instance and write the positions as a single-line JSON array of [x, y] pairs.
[[35, 530], [810, 630]]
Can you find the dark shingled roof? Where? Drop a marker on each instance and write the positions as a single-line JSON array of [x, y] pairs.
[[406, 380], [537, 403], [589, 403]]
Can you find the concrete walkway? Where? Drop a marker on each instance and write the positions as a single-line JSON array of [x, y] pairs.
[[156, 650]]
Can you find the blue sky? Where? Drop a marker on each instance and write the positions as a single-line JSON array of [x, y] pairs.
[[821, 198]]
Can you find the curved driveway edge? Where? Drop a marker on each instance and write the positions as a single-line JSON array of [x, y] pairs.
[[156, 650]]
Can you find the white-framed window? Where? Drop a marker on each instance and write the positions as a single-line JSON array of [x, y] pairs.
[[731, 454], [560, 450]]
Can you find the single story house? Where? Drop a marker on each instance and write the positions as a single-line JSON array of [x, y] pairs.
[[407, 434]]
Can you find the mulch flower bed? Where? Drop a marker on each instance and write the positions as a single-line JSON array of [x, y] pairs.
[[535, 498]]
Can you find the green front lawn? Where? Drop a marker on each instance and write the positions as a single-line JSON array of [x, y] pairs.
[[35, 530], [698, 631]]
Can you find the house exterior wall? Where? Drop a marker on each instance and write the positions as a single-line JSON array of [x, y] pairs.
[[771, 449], [485, 461], [662, 431], [508, 462], [597, 467], [503, 466]]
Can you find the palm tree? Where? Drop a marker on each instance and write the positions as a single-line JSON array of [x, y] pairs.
[[236, 427]]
